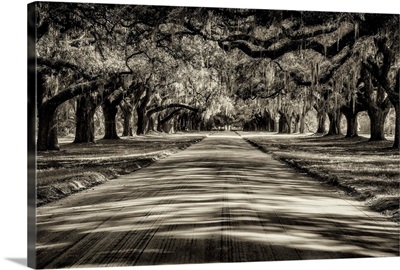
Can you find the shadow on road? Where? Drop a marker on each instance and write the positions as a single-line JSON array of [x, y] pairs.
[[217, 201]]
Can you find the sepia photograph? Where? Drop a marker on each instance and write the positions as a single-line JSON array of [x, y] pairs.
[[163, 134]]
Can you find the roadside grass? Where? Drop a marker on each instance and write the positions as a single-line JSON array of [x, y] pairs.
[[80, 166], [368, 171]]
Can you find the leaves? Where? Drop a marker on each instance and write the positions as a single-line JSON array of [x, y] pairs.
[[216, 58]]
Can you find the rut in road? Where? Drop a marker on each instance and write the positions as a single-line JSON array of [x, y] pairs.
[[220, 200]]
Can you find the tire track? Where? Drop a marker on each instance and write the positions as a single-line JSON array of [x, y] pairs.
[[220, 200]]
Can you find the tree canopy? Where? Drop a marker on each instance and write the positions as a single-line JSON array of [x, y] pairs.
[[204, 68]]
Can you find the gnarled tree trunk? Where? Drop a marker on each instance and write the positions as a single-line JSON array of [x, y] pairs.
[[352, 125], [334, 123], [141, 121], [85, 108], [47, 129], [377, 117], [110, 110], [381, 71], [350, 111], [141, 110], [110, 125], [378, 105]]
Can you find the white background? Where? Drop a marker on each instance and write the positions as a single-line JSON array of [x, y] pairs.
[[13, 131]]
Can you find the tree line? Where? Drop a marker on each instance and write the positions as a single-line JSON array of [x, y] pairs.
[[184, 68]]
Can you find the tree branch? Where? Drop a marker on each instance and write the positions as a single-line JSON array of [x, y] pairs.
[[58, 65], [69, 93], [172, 105], [170, 116]]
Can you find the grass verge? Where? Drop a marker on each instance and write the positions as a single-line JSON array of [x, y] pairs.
[[77, 167], [368, 171]]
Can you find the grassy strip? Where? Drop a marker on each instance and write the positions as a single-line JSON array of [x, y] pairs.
[[365, 170], [81, 166]]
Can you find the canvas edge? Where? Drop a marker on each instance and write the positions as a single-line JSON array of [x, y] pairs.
[[31, 128], [31, 117]]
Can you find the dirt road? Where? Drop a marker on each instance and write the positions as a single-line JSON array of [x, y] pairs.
[[220, 200]]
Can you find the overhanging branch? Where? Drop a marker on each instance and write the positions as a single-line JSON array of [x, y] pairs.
[[172, 105]]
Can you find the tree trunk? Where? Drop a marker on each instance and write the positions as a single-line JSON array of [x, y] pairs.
[[47, 129], [269, 122], [397, 126], [297, 123], [110, 125], [183, 125], [159, 125], [350, 111], [176, 125], [395, 100], [127, 114], [377, 118], [334, 123], [53, 134], [297, 126], [302, 128], [151, 124], [285, 124], [127, 127], [84, 129], [195, 122], [141, 110], [321, 117], [163, 122], [141, 121], [378, 106], [382, 75], [271, 125], [168, 127], [352, 124]]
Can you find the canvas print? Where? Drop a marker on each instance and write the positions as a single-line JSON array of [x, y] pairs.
[[185, 135]]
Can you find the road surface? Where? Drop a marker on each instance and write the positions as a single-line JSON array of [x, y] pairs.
[[220, 200]]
